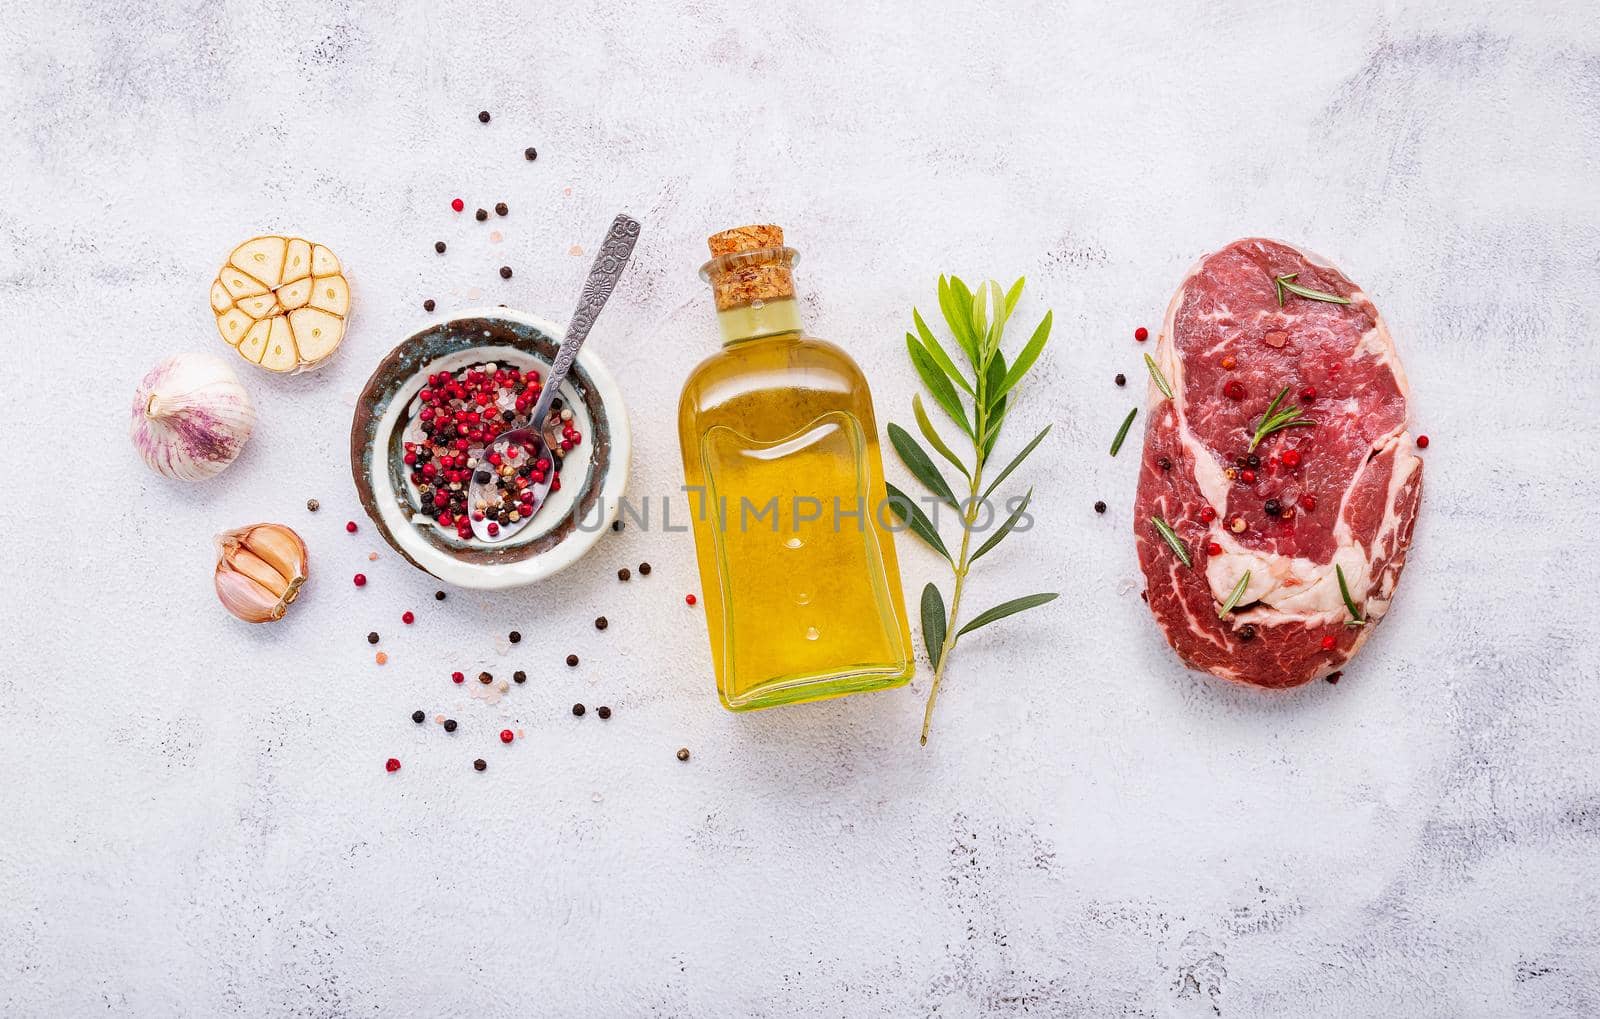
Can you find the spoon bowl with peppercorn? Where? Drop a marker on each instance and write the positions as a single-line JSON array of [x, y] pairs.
[[513, 474]]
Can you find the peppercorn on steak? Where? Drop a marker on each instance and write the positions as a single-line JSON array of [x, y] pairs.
[[1279, 485]]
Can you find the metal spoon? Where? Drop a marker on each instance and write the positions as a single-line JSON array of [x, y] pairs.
[[597, 287]]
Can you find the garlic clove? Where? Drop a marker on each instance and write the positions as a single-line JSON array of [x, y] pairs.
[[280, 547], [247, 599], [253, 566], [259, 571]]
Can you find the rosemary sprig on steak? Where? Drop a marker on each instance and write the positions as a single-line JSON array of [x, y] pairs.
[[1275, 420], [1233, 599], [1283, 283], [1356, 618]]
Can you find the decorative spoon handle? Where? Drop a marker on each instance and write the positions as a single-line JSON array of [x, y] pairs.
[[597, 287]]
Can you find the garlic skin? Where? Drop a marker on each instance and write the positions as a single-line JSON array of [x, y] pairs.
[[191, 417], [259, 571]]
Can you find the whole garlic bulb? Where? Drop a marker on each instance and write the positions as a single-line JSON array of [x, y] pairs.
[[191, 417], [259, 571]]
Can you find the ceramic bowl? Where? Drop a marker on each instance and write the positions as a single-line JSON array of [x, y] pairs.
[[593, 476]]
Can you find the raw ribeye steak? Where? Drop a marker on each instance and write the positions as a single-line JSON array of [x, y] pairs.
[[1337, 487]]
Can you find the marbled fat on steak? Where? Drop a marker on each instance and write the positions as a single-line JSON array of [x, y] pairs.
[[1350, 501]]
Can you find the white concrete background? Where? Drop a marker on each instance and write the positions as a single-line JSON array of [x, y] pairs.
[[194, 816]]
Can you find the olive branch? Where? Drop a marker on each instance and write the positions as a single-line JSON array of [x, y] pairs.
[[977, 322]]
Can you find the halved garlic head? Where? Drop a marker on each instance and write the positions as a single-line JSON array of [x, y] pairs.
[[282, 303]]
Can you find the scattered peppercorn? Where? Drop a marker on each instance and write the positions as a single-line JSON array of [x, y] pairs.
[[572, 659], [577, 709], [485, 678], [483, 118], [530, 153], [449, 725], [616, 525], [361, 580], [1141, 334], [1121, 379], [417, 716], [1252, 460], [382, 658], [350, 526], [1100, 506], [372, 638], [505, 272], [600, 623], [603, 711], [1333, 677], [500, 209], [392, 765], [1212, 548], [506, 735], [1273, 507], [1308, 394], [1247, 476], [480, 764], [1328, 642], [644, 569], [623, 574], [1233, 390], [438, 596], [1422, 442], [689, 599], [515, 636], [1207, 514], [457, 204], [1247, 632], [1290, 458], [519, 676], [481, 215], [683, 753], [428, 305], [312, 505], [1164, 463], [438, 246], [458, 677], [408, 618]]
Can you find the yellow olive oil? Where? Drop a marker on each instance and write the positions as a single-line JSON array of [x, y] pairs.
[[780, 449]]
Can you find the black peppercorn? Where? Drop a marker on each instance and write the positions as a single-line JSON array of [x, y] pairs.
[[485, 678], [603, 711], [555, 404], [683, 753], [508, 416], [505, 272], [600, 623], [1100, 507], [481, 215], [428, 305], [480, 764], [449, 725], [312, 505], [519, 676], [438, 596], [644, 569], [483, 118], [577, 709], [417, 717], [1122, 379], [1252, 461], [623, 574], [616, 525], [1164, 463], [514, 637], [530, 154], [1273, 507], [438, 246], [500, 209], [372, 638], [572, 659], [483, 477], [1247, 632]]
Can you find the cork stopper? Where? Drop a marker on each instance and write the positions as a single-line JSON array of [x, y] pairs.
[[748, 264]]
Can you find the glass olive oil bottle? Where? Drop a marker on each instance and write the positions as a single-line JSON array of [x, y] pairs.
[[780, 453]]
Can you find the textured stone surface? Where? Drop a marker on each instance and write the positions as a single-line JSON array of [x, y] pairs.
[[196, 820]]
